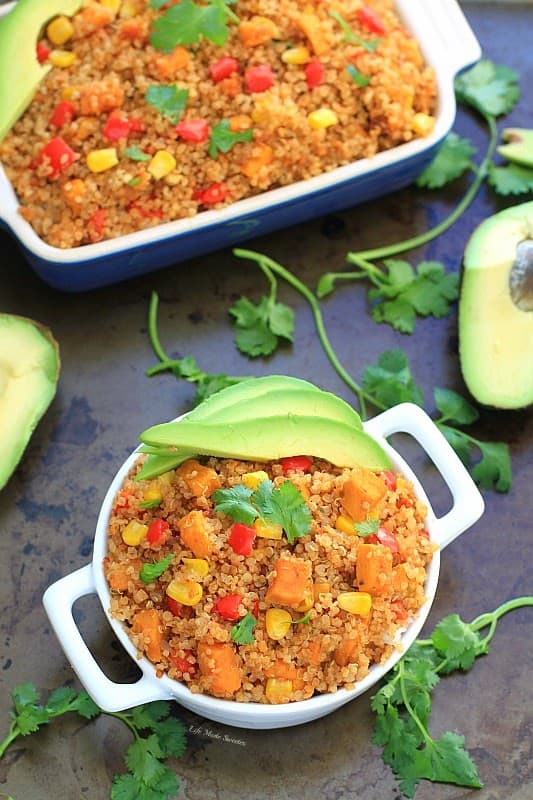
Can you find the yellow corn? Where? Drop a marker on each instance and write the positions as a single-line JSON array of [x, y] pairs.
[[277, 621], [68, 92], [278, 690], [130, 8], [355, 602], [423, 124], [113, 5], [296, 55], [252, 479], [198, 567], [268, 530], [134, 533], [161, 164], [100, 160], [322, 118], [60, 30], [189, 593], [62, 58], [152, 495], [344, 524], [166, 478]]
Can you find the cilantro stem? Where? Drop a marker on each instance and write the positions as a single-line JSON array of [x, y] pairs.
[[152, 328], [13, 733], [492, 618]]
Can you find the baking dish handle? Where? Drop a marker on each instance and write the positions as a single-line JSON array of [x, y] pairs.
[[110, 696], [468, 503], [461, 46]]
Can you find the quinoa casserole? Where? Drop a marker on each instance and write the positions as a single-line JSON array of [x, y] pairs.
[[256, 611], [152, 112]]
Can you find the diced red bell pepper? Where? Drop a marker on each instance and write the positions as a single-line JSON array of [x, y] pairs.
[[424, 533], [241, 538], [145, 211], [215, 193], [399, 610], [296, 464], [43, 51], [158, 531], [178, 609], [259, 79], [385, 538], [371, 20], [64, 112], [183, 664], [95, 226], [117, 127], [314, 73], [228, 607], [255, 609], [59, 154], [193, 130], [390, 479], [223, 68]]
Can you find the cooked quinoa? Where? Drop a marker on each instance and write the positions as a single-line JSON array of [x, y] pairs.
[[347, 596], [299, 93]]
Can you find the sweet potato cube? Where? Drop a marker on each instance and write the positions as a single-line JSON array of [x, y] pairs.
[[120, 575], [347, 651], [362, 492], [220, 664], [374, 569], [291, 583], [201, 481], [311, 26], [148, 624], [194, 532], [283, 670]]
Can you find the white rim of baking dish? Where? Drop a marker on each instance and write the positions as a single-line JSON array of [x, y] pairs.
[[447, 44], [60, 597]]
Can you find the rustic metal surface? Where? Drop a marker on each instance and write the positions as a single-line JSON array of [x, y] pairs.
[[49, 508]]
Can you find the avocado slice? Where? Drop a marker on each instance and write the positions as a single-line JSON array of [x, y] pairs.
[[496, 333], [268, 438], [29, 369], [520, 146], [20, 71]]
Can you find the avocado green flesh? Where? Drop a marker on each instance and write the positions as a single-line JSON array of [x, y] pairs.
[[495, 335], [519, 148], [270, 438], [29, 368], [20, 71]]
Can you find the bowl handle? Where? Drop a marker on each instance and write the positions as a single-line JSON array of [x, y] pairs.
[[110, 696], [468, 503], [461, 46]]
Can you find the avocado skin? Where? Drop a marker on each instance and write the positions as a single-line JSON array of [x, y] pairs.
[[270, 438], [495, 336], [29, 370], [20, 71], [519, 147]]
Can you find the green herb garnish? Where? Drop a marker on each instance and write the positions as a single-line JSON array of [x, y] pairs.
[[350, 36], [168, 99], [357, 76], [367, 527], [188, 23], [136, 154], [151, 503], [512, 179], [305, 620], [236, 503], [150, 571], [243, 631], [223, 138], [452, 160]]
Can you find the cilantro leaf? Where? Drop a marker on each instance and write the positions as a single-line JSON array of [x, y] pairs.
[[367, 527], [235, 503], [148, 716], [357, 76], [459, 441], [85, 706], [488, 87], [207, 385], [283, 506], [167, 98], [142, 760], [457, 641], [453, 158], [243, 631], [455, 408], [391, 381], [259, 327], [223, 138], [136, 154], [494, 468], [511, 179], [187, 23], [445, 760], [149, 572], [171, 735], [60, 700], [150, 503]]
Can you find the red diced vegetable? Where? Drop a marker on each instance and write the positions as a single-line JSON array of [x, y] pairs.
[[193, 130], [390, 479], [183, 664], [314, 73], [228, 607], [241, 538], [385, 538], [64, 112], [255, 609], [59, 154], [371, 20], [43, 51], [296, 464], [259, 79], [95, 225], [178, 609], [157, 532], [215, 193], [223, 68], [399, 610], [117, 127]]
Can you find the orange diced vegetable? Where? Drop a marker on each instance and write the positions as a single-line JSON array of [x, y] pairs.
[[262, 156], [240, 123], [201, 481], [312, 27], [312, 652], [132, 29], [194, 531], [283, 670], [320, 587], [91, 18], [291, 581], [100, 96], [73, 193], [347, 651], [120, 575], [362, 493], [168, 66], [148, 624], [257, 30], [219, 662], [374, 568]]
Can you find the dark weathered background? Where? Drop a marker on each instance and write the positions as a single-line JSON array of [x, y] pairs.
[[49, 508]]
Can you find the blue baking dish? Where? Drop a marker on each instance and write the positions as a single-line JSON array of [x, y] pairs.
[[448, 45]]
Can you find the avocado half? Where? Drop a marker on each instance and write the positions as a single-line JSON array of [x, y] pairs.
[[29, 369], [496, 334], [20, 71]]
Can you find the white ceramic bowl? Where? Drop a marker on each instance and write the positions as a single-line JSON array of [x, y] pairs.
[[59, 598]]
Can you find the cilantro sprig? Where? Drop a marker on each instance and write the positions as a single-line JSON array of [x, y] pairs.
[[149, 572], [243, 631], [189, 22], [222, 138], [403, 703], [168, 99]]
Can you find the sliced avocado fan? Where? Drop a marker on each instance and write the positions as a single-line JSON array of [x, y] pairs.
[[29, 369]]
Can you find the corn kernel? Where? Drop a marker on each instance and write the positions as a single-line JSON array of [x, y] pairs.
[[278, 690], [166, 478], [62, 58], [161, 164], [355, 602], [152, 495], [268, 530], [189, 593], [130, 8], [345, 524], [68, 92], [423, 124], [100, 160], [113, 5], [296, 55], [252, 479], [60, 30], [278, 622], [198, 567], [322, 118], [134, 533], [308, 600]]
